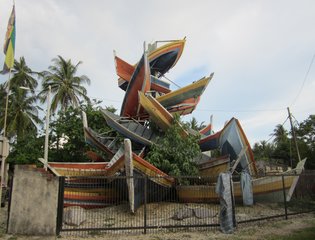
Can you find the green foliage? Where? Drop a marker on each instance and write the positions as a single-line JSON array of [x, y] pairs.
[[306, 140], [68, 137], [283, 146], [22, 117], [193, 124], [66, 86], [27, 150], [173, 153], [263, 150]]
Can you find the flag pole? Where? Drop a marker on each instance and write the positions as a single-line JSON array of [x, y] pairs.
[[9, 48], [5, 143]]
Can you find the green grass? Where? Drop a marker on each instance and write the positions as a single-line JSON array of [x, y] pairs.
[[305, 234]]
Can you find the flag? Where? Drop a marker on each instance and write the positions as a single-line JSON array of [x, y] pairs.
[[9, 44]]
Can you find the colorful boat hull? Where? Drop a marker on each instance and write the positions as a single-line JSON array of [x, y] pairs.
[[124, 70], [131, 129], [265, 189], [161, 60], [193, 90], [140, 81]]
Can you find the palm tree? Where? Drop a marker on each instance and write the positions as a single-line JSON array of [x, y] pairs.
[[22, 114], [23, 76], [22, 109], [281, 135], [66, 87], [193, 124]]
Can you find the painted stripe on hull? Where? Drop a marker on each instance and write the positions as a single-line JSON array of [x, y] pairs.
[[193, 90]]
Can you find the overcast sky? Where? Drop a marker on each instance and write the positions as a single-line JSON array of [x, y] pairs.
[[260, 51]]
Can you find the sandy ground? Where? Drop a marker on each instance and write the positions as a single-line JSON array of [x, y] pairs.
[[254, 230]]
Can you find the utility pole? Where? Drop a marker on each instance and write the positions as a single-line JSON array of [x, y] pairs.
[[294, 136]]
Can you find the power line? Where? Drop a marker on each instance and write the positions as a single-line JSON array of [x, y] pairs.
[[240, 110], [305, 77]]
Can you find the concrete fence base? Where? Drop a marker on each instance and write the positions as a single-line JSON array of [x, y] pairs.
[[33, 202]]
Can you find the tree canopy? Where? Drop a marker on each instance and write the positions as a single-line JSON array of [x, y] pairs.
[[174, 154], [66, 86]]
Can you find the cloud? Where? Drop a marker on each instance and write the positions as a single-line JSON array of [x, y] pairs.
[[259, 50]]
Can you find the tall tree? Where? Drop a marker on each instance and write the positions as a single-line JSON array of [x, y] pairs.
[[22, 114], [193, 123], [280, 133], [23, 76], [306, 141], [22, 117], [66, 86]]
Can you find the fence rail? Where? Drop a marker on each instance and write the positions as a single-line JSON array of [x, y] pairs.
[[103, 204]]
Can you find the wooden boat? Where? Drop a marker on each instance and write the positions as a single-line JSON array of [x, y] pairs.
[[124, 70], [161, 60], [158, 185], [106, 143], [212, 167], [265, 189], [130, 128], [207, 130], [164, 119], [104, 188], [184, 108], [140, 81], [91, 192], [232, 140], [209, 142], [193, 90], [70, 169]]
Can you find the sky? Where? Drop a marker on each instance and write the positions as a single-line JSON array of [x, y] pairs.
[[261, 52]]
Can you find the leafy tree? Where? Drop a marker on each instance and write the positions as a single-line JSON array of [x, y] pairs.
[[67, 133], [283, 146], [306, 140], [66, 86], [173, 154], [27, 150], [263, 150]]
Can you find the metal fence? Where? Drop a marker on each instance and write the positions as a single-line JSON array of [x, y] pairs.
[[94, 205]]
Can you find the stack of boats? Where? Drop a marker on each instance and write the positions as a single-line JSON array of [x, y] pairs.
[[149, 98]]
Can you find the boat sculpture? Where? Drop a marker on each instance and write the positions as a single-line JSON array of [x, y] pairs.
[[148, 98], [161, 60], [231, 139], [265, 189]]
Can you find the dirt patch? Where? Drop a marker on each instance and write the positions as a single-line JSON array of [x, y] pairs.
[[253, 230]]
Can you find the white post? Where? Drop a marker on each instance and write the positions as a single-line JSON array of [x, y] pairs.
[[47, 129]]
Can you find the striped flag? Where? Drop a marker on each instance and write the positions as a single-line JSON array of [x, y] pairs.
[[9, 44]]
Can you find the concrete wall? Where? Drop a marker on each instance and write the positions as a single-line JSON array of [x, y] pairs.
[[34, 202]]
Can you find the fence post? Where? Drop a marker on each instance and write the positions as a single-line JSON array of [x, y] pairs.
[[284, 198], [60, 205], [145, 204]]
